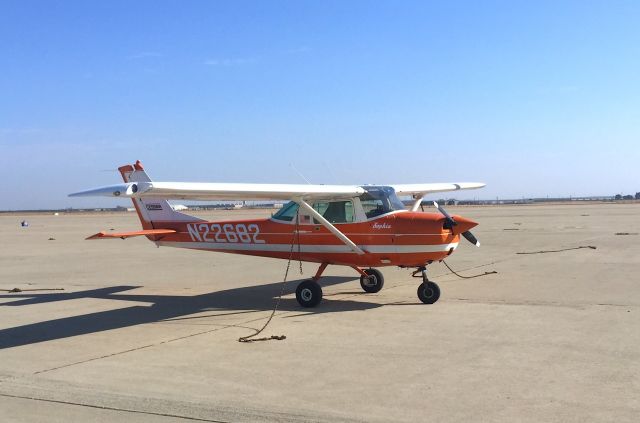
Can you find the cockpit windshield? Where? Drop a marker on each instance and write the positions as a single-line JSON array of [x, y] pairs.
[[379, 200]]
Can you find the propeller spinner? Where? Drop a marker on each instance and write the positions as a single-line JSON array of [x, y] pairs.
[[450, 223]]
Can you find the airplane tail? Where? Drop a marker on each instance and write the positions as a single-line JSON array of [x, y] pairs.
[[153, 213]]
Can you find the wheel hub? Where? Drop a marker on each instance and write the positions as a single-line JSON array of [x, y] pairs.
[[306, 294], [371, 280]]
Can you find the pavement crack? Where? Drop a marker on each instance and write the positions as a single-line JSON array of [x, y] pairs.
[[122, 410], [155, 344], [539, 303]]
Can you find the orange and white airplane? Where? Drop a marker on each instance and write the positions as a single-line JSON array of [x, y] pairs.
[[362, 227]]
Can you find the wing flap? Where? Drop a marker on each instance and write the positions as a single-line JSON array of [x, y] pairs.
[[123, 235]]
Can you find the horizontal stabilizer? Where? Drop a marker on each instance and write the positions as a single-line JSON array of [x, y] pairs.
[[124, 190], [123, 235]]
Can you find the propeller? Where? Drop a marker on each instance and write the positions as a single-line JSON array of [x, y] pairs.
[[449, 223], [471, 238]]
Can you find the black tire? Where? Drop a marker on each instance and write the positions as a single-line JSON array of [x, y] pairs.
[[308, 293], [428, 292], [373, 283]]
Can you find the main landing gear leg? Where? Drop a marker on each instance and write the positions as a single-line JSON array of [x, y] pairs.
[[309, 292], [428, 292]]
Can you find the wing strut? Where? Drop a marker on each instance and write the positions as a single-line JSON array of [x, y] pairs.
[[342, 237], [417, 203]]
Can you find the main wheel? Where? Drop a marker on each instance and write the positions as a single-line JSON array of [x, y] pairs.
[[428, 292], [308, 293], [372, 283]]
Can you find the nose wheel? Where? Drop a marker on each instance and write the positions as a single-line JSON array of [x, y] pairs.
[[428, 292]]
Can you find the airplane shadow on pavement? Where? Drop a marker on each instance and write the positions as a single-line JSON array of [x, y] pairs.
[[164, 307]]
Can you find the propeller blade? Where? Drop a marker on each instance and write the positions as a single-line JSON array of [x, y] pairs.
[[472, 239], [450, 222]]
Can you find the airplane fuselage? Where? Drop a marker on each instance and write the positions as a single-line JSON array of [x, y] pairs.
[[401, 238]]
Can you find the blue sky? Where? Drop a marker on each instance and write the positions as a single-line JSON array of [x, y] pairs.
[[533, 98]]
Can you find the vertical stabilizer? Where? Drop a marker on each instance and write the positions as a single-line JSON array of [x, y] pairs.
[[153, 213]]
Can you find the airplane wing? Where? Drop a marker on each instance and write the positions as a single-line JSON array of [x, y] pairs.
[[420, 190], [235, 191], [222, 191]]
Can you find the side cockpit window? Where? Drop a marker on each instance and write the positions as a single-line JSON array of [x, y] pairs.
[[373, 208], [379, 200], [335, 211]]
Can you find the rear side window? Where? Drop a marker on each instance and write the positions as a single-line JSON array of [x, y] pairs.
[[287, 212]]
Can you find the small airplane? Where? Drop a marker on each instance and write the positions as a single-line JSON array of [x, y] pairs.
[[362, 227]]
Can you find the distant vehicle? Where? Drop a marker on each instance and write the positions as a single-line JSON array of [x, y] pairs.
[[362, 227]]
